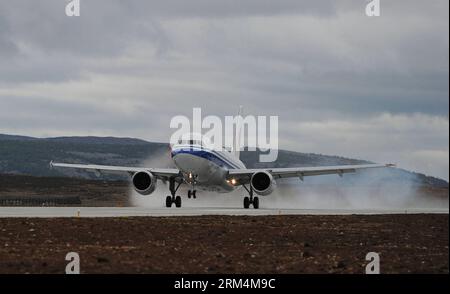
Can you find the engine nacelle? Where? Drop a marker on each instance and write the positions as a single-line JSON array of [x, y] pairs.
[[262, 183], [144, 182]]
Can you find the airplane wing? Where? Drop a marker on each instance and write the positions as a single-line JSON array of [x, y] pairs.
[[300, 172], [161, 173]]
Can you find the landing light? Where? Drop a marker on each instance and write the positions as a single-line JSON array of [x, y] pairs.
[[233, 181]]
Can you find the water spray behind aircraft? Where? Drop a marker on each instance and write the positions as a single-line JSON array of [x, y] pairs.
[[372, 189]]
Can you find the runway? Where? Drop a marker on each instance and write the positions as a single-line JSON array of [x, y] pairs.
[[43, 212]]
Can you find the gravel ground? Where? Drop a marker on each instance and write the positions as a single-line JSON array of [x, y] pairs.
[[227, 244]]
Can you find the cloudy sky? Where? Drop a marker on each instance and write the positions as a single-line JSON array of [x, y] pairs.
[[341, 83]]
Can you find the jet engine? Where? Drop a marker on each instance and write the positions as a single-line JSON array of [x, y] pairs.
[[144, 182], [262, 183]]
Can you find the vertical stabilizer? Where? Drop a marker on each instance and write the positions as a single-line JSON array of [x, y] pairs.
[[237, 138]]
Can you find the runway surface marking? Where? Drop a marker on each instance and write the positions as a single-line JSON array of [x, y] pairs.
[[190, 211]]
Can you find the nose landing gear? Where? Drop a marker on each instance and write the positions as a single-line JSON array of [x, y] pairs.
[[192, 180], [192, 193]]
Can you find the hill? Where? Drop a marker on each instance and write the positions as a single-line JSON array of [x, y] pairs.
[[31, 156]]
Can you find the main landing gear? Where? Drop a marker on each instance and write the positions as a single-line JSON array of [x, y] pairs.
[[173, 190], [250, 200]]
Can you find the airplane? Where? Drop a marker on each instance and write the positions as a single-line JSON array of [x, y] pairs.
[[207, 169]]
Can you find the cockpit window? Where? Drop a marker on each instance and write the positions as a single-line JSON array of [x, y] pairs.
[[190, 142], [226, 148]]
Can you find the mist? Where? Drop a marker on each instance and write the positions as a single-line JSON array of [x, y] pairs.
[[383, 188]]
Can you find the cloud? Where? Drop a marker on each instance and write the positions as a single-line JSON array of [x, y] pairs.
[[415, 142], [125, 68]]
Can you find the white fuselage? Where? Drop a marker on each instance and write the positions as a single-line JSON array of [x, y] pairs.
[[207, 167]]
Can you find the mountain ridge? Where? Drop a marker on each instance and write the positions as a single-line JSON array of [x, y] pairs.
[[31, 156]]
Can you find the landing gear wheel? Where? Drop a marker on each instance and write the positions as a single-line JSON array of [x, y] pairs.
[[189, 194], [255, 202], [178, 201], [169, 201], [246, 202], [194, 194]]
